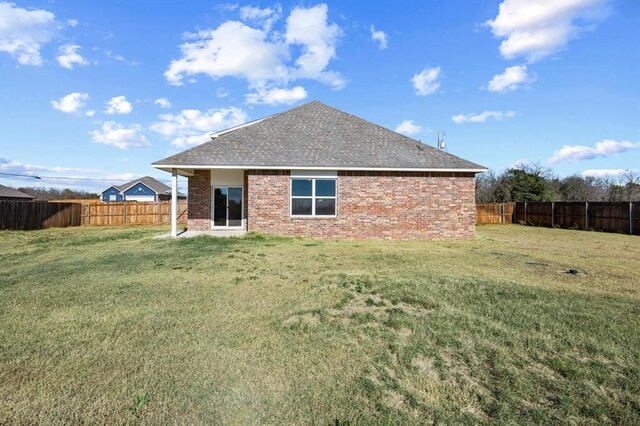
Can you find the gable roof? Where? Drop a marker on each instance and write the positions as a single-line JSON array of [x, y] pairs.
[[315, 135], [151, 183], [8, 192], [112, 186]]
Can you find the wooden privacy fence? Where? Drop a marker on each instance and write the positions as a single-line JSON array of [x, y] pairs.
[[131, 213], [494, 213], [38, 214], [619, 217]]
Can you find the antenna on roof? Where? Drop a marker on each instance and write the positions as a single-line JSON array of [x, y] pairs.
[[419, 146], [441, 135]]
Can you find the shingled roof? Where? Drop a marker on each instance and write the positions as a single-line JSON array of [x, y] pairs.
[[8, 192], [316, 135], [152, 183]]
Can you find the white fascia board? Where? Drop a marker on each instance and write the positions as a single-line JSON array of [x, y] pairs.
[[138, 182], [112, 186], [168, 168]]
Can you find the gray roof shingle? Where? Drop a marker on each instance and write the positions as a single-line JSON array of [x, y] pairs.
[[316, 135], [8, 192], [152, 183]]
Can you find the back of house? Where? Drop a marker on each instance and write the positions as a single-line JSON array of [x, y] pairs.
[[319, 172]]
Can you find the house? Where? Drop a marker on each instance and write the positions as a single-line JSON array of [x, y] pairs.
[[12, 194], [143, 189], [319, 172]]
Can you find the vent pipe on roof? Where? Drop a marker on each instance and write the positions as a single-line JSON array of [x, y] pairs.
[[441, 144]]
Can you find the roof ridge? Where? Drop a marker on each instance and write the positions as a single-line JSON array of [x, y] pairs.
[[259, 120], [288, 136], [409, 139]]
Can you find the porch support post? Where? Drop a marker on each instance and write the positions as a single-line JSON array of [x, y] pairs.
[[174, 203]]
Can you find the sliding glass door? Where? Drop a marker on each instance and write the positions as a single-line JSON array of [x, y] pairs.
[[227, 207]]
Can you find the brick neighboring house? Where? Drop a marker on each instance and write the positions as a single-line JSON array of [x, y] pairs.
[[319, 172]]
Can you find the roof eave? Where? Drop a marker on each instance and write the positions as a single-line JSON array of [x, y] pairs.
[[170, 167]]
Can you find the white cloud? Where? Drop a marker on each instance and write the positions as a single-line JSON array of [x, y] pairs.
[[56, 176], [277, 96], [118, 105], [309, 28], [260, 55], [72, 103], [482, 117], [120, 136], [68, 56], [604, 148], [23, 32], [426, 81], [90, 113], [380, 37], [72, 22], [162, 103], [192, 126], [114, 56], [265, 17], [408, 127], [511, 79], [537, 28], [233, 49], [221, 92], [13, 166], [601, 173]]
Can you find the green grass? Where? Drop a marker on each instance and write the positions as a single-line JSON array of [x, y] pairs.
[[112, 326]]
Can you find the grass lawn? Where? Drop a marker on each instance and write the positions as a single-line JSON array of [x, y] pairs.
[[107, 325]]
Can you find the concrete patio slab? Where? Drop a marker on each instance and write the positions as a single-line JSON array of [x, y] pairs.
[[213, 233]]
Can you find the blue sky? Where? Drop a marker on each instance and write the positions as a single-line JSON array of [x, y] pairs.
[[102, 89]]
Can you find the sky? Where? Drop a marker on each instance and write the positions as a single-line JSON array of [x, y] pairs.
[[97, 91]]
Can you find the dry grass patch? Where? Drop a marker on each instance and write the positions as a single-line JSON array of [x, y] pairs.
[[110, 325]]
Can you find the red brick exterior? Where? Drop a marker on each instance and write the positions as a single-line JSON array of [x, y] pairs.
[[199, 201], [380, 205]]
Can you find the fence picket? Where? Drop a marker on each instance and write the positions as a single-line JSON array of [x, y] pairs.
[[38, 214], [619, 217]]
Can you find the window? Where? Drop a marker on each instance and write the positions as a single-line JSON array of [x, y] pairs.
[[313, 197], [112, 197]]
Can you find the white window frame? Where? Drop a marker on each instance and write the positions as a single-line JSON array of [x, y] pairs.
[[113, 197], [313, 196]]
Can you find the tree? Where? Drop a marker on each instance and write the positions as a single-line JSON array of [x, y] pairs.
[[42, 193], [486, 187], [525, 182], [533, 182]]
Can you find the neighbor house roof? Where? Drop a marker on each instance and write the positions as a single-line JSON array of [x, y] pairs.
[[152, 183], [8, 192], [315, 135]]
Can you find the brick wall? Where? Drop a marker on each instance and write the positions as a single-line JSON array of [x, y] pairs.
[[199, 201], [383, 205]]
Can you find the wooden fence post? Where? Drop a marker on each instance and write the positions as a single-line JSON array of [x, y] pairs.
[[630, 218], [586, 215], [89, 218], [525, 212], [553, 207], [124, 212]]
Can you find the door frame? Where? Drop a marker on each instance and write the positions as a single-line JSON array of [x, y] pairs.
[[213, 206]]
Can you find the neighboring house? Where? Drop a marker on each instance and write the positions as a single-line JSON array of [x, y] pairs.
[[12, 194], [143, 189], [319, 172]]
